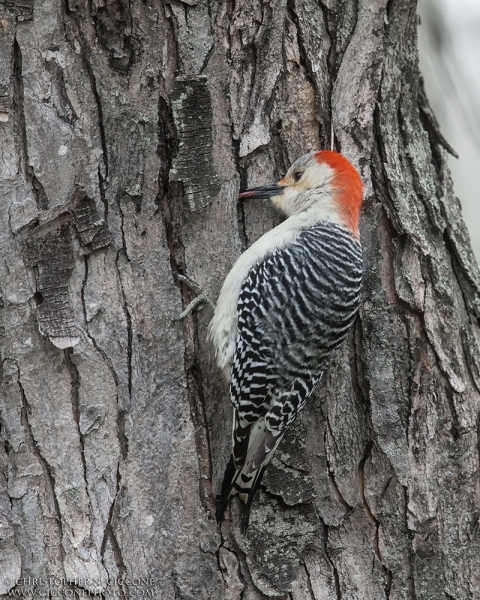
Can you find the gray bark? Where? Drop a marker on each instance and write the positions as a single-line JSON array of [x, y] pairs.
[[449, 50], [126, 131]]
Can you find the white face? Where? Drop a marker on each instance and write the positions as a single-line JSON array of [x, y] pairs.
[[307, 183]]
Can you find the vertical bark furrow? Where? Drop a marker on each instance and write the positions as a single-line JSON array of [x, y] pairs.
[[128, 321], [7, 31], [48, 482], [199, 188], [109, 536], [256, 35], [314, 47], [198, 416], [21, 132], [336, 576]]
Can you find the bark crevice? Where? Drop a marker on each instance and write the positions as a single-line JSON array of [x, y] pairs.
[[21, 131], [49, 475]]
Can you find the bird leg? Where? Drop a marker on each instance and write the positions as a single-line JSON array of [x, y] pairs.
[[202, 296]]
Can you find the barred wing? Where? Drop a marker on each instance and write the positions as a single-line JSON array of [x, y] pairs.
[[295, 307]]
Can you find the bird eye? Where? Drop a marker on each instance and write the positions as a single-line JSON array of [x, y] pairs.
[[297, 175]]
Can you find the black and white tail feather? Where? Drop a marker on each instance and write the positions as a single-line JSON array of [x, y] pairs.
[[253, 447]]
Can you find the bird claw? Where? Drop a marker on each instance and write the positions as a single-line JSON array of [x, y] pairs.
[[202, 296]]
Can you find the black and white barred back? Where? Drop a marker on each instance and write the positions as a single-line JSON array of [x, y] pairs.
[[295, 307]]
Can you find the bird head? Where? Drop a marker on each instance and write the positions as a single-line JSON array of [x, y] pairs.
[[324, 182]]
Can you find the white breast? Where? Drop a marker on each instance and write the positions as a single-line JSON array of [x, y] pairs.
[[223, 326]]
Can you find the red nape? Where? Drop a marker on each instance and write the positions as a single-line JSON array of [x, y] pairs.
[[348, 182]]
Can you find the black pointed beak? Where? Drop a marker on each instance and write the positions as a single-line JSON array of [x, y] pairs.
[[267, 191]]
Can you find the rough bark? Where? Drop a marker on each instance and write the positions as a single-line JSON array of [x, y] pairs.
[[126, 131]]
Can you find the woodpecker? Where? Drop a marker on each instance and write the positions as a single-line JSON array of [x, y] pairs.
[[285, 306]]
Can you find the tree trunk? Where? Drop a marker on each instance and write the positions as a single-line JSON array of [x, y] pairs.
[[127, 130]]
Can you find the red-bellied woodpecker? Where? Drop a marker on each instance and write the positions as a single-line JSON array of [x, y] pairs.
[[287, 303]]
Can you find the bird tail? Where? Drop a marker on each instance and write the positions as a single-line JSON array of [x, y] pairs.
[[252, 451], [237, 481], [231, 474]]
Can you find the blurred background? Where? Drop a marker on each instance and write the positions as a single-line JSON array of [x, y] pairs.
[[449, 42]]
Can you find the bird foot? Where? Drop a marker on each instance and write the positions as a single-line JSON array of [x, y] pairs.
[[202, 296]]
